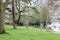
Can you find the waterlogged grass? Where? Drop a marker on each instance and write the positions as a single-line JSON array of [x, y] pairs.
[[23, 33]]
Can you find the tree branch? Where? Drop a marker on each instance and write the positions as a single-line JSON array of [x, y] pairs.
[[7, 2]]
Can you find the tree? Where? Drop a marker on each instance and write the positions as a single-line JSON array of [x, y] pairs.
[[54, 9], [13, 14], [17, 3], [45, 18], [2, 15], [2, 23], [26, 2]]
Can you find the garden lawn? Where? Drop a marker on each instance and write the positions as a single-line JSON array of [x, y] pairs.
[[22, 33]]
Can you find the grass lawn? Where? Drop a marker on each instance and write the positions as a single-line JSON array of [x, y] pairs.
[[28, 34]]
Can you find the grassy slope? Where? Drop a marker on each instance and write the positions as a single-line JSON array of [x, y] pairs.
[[28, 34]]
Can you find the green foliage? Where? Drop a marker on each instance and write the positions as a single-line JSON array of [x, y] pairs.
[[35, 15], [7, 8], [28, 34], [26, 1], [35, 10]]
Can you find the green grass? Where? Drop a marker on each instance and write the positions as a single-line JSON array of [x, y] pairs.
[[23, 33]]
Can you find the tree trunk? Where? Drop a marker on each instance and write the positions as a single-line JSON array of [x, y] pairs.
[[13, 14], [2, 18], [41, 25], [18, 4], [19, 12]]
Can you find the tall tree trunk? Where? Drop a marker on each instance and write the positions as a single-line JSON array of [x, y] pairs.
[[13, 14], [18, 12], [2, 18], [18, 20], [18, 4]]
